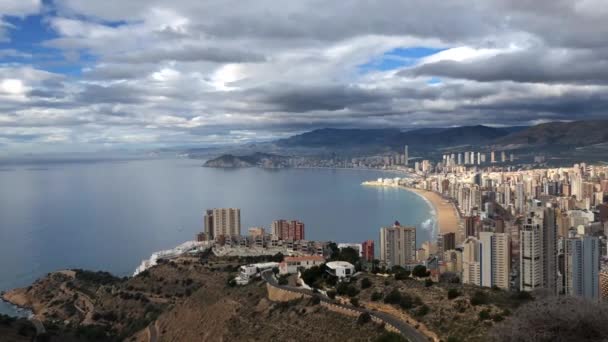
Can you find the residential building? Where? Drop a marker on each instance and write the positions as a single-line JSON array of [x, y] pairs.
[[222, 222], [495, 259], [368, 250], [531, 254], [398, 245], [471, 261], [582, 266], [291, 265], [341, 269], [288, 230]]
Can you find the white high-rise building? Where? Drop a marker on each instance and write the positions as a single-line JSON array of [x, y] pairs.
[[406, 155], [531, 254], [398, 245], [495, 259], [467, 159], [471, 261]]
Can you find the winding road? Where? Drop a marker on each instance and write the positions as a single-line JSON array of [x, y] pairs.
[[406, 330]]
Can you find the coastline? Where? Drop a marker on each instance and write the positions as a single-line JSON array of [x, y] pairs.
[[447, 217]]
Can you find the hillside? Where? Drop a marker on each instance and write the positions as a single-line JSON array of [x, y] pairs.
[[188, 299], [251, 160], [578, 133]]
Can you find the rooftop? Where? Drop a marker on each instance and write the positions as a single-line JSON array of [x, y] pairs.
[[339, 264]]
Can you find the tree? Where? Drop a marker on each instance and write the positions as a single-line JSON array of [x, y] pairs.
[[354, 301], [352, 291], [428, 282], [331, 294], [422, 310], [484, 315], [342, 289], [420, 271], [555, 319], [366, 283]]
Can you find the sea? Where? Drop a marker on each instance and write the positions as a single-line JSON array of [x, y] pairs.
[[110, 214]]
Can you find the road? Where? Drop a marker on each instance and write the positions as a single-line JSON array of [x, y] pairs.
[[38, 325], [152, 332], [406, 330]]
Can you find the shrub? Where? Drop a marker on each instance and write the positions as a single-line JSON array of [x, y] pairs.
[[402, 275], [406, 302], [354, 301], [352, 291], [364, 318], [366, 283], [555, 319], [283, 280], [484, 315], [420, 271], [376, 296], [390, 336], [342, 288], [331, 294], [422, 310], [453, 293], [315, 300], [394, 297], [479, 298], [428, 282]]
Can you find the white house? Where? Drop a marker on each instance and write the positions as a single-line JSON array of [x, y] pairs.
[[340, 269], [248, 272], [293, 264]]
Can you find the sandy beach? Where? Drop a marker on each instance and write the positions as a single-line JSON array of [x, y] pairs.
[[448, 219]]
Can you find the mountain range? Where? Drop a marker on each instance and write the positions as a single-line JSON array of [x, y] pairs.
[[563, 134]]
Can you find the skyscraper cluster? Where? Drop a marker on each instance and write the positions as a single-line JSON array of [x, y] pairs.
[[528, 229]]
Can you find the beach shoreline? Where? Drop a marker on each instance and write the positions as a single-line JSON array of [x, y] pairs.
[[446, 216]]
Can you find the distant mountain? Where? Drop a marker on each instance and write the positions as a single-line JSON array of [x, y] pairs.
[[251, 160], [427, 138], [577, 133], [340, 138]]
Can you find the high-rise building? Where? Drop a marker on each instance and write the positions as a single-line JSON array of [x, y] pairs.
[[549, 233], [448, 241], [368, 250], [495, 259], [225, 222], [467, 158], [471, 261], [582, 255], [470, 223], [459, 158], [288, 230], [398, 245], [492, 157], [472, 157], [531, 254], [208, 223], [406, 155], [503, 156]]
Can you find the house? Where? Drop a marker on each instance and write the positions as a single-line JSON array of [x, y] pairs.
[[341, 269], [293, 264], [248, 272]]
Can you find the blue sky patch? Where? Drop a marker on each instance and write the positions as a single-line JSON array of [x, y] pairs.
[[398, 58]]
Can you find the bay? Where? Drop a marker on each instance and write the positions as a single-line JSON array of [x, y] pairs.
[[109, 215]]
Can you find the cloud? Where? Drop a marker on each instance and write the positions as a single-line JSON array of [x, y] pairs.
[[155, 73]]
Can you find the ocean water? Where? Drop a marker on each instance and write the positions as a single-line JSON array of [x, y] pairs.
[[111, 215]]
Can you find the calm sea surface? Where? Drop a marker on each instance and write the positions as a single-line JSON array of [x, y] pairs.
[[111, 215]]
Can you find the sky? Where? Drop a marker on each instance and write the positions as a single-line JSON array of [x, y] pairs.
[[81, 75]]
